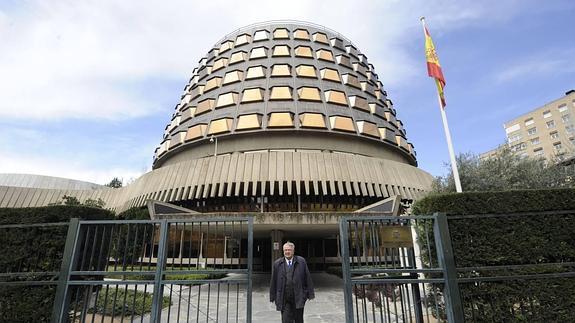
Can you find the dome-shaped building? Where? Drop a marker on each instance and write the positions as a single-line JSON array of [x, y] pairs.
[[277, 117], [285, 117]]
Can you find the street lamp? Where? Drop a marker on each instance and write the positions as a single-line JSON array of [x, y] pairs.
[[215, 139]]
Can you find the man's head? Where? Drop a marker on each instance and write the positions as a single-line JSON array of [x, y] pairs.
[[288, 250]]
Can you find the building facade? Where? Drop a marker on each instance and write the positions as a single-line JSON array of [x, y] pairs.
[[546, 132], [277, 117]]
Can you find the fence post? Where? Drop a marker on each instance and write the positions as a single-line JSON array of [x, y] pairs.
[[446, 260], [250, 267], [347, 290], [60, 308], [157, 298]]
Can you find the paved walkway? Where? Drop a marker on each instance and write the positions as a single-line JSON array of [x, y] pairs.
[[326, 307]]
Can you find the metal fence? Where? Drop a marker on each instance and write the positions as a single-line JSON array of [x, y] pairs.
[[404, 269], [385, 278], [145, 271]]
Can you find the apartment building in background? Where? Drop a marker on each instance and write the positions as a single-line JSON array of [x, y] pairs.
[[546, 132]]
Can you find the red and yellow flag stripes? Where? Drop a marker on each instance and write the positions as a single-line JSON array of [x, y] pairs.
[[433, 66]]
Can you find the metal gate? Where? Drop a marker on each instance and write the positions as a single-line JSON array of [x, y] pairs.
[[196, 270], [162, 270], [389, 279]]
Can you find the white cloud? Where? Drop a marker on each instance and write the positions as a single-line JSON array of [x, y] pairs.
[[96, 59], [538, 66], [64, 167], [82, 59]]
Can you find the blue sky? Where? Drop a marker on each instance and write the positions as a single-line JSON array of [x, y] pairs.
[[87, 87]]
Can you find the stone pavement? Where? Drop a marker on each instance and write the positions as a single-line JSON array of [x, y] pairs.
[[326, 307]]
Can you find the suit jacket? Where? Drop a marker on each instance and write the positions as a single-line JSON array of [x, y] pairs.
[[303, 286]]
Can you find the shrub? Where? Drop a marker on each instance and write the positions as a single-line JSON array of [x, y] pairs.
[[36, 249], [533, 229]]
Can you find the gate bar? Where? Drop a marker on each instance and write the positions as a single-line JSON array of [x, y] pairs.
[[60, 300], [446, 259]]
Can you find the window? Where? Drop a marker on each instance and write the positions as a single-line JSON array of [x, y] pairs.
[[538, 152], [566, 118], [359, 103], [243, 39], [261, 35], [308, 94], [226, 46], [519, 147], [351, 80], [344, 60], [369, 129], [550, 124], [336, 97], [342, 123], [238, 57], [514, 138], [281, 50], [280, 119], [312, 120], [196, 131], [303, 51], [529, 122], [281, 33], [547, 114], [512, 128], [205, 106], [219, 63], [301, 34], [337, 43], [535, 141], [227, 99], [569, 128], [324, 55], [281, 70], [249, 121], [233, 76], [330, 75], [212, 83], [557, 146], [252, 95], [220, 126], [258, 52], [255, 72], [532, 131], [562, 107], [280, 93], [320, 38], [554, 135], [306, 71]]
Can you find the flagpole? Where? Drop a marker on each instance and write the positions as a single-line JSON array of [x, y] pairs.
[[447, 134]]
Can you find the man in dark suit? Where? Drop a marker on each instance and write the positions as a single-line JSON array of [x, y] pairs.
[[291, 285]]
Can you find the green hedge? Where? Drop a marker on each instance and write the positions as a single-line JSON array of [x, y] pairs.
[[497, 202], [537, 236], [37, 249]]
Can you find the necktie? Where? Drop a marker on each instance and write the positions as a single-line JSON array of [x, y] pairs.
[[289, 263]]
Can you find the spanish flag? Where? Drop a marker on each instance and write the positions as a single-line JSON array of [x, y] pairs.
[[433, 66]]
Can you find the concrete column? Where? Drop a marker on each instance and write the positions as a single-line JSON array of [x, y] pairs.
[[277, 251]]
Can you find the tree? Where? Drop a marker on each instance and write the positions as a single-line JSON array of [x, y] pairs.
[[99, 203], [506, 171], [73, 201], [70, 200], [115, 183]]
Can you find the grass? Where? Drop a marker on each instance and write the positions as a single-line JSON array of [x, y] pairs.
[[152, 270], [128, 302]]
